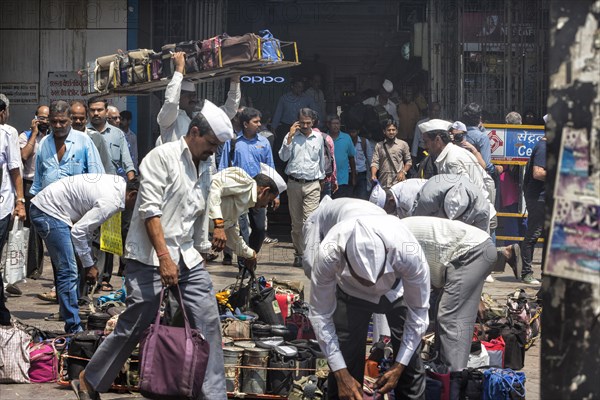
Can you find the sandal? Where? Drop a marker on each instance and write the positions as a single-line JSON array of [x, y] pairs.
[[83, 394], [106, 287]]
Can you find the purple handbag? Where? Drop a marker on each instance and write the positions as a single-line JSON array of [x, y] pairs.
[[173, 360]]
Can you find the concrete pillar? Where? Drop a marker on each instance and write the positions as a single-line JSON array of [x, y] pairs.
[[570, 318]]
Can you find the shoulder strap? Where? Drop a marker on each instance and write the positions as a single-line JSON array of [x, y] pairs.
[[363, 144], [325, 145], [232, 151], [389, 158]]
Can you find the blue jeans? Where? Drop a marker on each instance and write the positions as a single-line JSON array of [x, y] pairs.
[[57, 237]]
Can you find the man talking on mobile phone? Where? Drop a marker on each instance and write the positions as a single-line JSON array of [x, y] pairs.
[[303, 150]]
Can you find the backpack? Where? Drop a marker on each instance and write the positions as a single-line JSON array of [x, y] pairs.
[[270, 47], [329, 159]]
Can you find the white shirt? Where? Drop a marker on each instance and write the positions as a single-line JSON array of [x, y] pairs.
[[232, 193], [84, 202], [405, 194], [173, 188], [10, 158], [305, 156], [438, 239], [329, 213], [174, 123], [29, 164], [390, 106], [456, 160], [405, 260]]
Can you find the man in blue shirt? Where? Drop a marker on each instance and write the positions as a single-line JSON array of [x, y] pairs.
[[471, 118], [344, 152], [247, 151], [65, 152]]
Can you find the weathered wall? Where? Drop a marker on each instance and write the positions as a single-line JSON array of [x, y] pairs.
[[41, 36], [570, 345]]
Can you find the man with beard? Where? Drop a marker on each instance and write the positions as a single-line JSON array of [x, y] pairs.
[[79, 118], [391, 158], [113, 136]]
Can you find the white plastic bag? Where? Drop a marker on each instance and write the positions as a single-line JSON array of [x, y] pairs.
[[14, 253], [480, 359]]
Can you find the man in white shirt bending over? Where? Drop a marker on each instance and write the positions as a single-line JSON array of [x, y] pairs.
[[232, 193], [65, 214], [358, 272]]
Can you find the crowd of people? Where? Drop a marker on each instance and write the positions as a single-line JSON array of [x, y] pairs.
[[374, 223]]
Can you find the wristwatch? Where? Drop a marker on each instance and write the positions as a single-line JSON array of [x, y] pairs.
[[21, 200]]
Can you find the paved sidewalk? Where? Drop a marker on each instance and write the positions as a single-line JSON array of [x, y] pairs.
[[275, 261]]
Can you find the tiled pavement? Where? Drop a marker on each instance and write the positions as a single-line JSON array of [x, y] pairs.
[[275, 261]]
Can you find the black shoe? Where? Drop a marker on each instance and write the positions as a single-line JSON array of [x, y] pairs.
[[54, 317], [13, 289], [227, 260], [297, 261], [515, 261]]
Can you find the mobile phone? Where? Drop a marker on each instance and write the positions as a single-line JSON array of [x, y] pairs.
[[35, 117], [458, 137]]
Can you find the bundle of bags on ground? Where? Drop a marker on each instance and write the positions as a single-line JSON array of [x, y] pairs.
[[268, 340], [30, 355], [501, 336], [135, 67]]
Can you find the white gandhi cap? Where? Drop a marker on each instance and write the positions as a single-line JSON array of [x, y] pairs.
[[219, 121], [271, 173], [366, 252], [434, 125]]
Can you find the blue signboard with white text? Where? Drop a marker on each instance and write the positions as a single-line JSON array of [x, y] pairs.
[[513, 142]]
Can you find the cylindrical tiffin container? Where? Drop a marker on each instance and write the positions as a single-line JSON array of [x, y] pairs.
[[254, 380], [233, 359]]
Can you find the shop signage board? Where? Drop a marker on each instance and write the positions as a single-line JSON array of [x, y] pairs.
[[21, 93], [513, 142], [65, 85]]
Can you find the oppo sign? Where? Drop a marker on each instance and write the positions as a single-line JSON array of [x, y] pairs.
[[256, 79]]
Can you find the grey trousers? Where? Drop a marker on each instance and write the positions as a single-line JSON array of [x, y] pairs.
[[459, 301], [143, 294]]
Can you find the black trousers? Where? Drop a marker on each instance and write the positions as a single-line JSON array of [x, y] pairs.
[[35, 249], [351, 319], [4, 313], [535, 226]]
